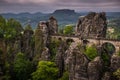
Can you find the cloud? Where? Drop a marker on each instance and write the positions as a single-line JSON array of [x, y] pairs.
[[51, 5], [29, 1]]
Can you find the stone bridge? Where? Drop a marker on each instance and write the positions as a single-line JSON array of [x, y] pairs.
[[91, 41]]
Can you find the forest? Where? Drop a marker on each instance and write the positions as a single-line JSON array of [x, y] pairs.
[[24, 56]]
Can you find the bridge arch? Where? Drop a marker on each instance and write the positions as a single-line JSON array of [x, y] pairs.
[[109, 48], [116, 44]]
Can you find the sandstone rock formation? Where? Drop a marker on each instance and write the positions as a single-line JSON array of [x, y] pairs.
[[39, 42], [27, 46], [43, 27], [45, 54], [93, 25], [59, 59], [77, 63], [107, 76], [53, 26], [95, 69], [115, 62]]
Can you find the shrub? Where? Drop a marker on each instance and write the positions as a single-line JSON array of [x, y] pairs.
[[46, 70], [65, 76], [91, 52], [117, 73]]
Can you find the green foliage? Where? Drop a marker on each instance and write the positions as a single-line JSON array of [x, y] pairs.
[[9, 29], [116, 31], [53, 46], [118, 53], [46, 70], [12, 23], [13, 29], [65, 76], [39, 44], [2, 26], [68, 29], [38, 41], [7, 71], [117, 73], [28, 27], [91, 52], [105, 58], [22, 67]]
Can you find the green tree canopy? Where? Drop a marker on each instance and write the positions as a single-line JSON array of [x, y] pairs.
[[22, 67], [46, 70], [91, 52], [12, 23], [2, 26], [9, 28], [28, 27], [68, 29]]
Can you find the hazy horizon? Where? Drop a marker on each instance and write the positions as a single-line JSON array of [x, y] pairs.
[[49, 6]]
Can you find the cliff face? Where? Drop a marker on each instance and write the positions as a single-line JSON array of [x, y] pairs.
[[42, 37], [77, 63], [92, 25], [81, 68], [53, 26]]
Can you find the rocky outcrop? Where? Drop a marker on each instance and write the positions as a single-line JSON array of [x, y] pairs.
[[107, 76], [115, 62], [27, 43], [53, 26], [43, 27], [45, 54], [93, 25], [77, 63], [59, 59], [95, 69], [39, 42]]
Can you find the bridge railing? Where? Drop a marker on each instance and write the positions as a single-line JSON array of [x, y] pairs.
[[74, 36]]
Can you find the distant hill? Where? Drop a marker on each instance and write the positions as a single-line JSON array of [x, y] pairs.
[[64, 16]]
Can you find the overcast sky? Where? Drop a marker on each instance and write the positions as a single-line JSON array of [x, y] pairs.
[[47, 6]]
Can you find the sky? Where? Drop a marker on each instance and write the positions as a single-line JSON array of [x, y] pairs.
[[48, 6]]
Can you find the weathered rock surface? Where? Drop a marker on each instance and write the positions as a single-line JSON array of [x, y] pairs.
[[59, 59], [77, 64], [44, 29], [107, 76], [39, 42], [92, 25], [45, 54], [95, 69], [115, 62], [42, 34], [27, 43], [53, 26]]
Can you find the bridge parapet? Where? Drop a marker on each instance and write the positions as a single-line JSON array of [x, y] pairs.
[[91, 41]]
